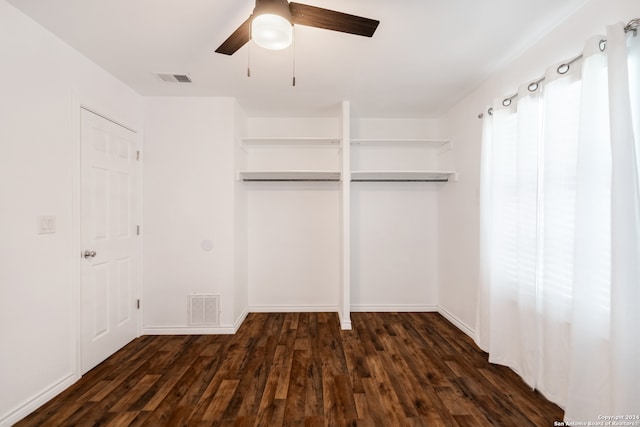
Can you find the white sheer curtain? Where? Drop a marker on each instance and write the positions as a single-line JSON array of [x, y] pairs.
[[625, 235], [559, 286]]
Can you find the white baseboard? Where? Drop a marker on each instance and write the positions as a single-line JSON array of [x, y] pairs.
[[232, 329], [240, 320], [189, 330], [345, 323], [346, 326], [392, 308], [292, 308], [38, 400], [457, 322], [404, 308]]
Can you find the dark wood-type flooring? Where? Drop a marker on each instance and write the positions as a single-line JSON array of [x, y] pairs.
[[392, 369]]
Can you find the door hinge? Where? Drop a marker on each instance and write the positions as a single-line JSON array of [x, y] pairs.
[[137, 230], [138, 304], [138, 155]]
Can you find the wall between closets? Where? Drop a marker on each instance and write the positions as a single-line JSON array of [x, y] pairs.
[[459, 204]]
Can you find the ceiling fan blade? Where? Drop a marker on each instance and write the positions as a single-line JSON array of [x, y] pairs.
[[318, 17], [237, 39]]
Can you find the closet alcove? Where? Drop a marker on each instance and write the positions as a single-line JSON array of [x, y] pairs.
[[341, 211]]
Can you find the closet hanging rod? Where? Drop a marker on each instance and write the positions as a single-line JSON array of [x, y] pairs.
[[399, 180], [288, 180], [631, 27]]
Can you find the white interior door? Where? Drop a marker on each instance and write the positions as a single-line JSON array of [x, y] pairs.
[[110, 243]]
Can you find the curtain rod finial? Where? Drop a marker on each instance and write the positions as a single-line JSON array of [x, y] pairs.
[[632, 26]]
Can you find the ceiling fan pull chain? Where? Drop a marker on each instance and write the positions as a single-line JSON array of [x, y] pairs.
[[249, 55], [294, 56]]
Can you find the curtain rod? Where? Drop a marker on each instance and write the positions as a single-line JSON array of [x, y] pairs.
[[632, 27]]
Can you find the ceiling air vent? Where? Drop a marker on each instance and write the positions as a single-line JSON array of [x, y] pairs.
[[173, 78]]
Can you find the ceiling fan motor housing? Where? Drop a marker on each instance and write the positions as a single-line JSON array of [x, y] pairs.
[[275, 7]]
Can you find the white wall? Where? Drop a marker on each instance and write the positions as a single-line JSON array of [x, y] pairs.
[[294, 246], [293, 227], [459, 202], [394, 225], [241, 255], [394, 242], [189, 183], [43, 82]]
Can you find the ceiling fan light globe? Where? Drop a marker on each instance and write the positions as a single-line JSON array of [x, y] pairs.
[[271, 31]]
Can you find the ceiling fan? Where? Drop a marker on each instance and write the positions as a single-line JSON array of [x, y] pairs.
[[271, 24]]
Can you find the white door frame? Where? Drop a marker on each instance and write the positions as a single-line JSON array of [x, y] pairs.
[[80, 103]]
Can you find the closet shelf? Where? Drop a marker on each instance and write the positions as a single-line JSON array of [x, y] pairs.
[[291, 141], [403, 176], [289, 175]]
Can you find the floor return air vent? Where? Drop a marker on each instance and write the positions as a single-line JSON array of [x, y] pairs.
[[204, 310]]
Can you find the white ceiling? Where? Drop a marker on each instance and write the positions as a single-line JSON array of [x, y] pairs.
[[424, 57]]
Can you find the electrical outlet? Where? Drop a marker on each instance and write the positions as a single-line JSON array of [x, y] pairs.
[[46, 224]]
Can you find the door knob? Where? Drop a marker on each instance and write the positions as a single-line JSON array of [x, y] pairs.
[[89, 254]]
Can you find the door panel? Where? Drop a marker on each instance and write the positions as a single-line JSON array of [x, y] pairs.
[[110, 199], [124, 290]]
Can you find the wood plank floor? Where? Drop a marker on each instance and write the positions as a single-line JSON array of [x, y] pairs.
[[300, 369]]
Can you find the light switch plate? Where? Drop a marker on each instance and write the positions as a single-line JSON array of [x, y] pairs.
[[46, 224]]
